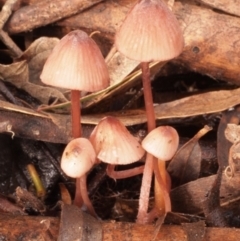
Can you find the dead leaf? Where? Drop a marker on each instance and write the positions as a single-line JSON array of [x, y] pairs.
[[186, 164], [18, 75], [227, 6], [198, 104], [232, 133], [36, 55]]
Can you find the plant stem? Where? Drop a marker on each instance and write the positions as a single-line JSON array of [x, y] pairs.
[[40, 190], [76, 114]]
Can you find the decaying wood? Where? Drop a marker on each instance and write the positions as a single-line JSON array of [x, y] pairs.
[[46, 229], [45, 12], [208, 48], [29, 228]]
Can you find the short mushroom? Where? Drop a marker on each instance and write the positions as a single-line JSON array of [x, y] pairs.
[[162, 143], [115, 145], [77, 159], [150, 32], [76, 63]]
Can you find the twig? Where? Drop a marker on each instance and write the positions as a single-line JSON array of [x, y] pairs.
[[4, 16]]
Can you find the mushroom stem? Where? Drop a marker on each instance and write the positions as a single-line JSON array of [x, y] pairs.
[[78, 201], [164, 201], [82, 186], [162, 185], [76, 132], [125, 173], [147, 173], [145, 190], [76, 113], [164, 174], [148, 99]]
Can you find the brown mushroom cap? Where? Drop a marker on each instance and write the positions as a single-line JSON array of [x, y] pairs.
[[150, 32], [162, 142], [78, 157], [76, 63], [114, 144]]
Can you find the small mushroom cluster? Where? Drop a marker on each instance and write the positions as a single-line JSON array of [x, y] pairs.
[[150, 32]]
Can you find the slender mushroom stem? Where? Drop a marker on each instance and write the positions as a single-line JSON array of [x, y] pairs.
[[76, 132], [164, 201], [162, 184], [125, 173], [158, 192], [145, 190], [76, 114], [78, 200], [147, 173], [83, 188], [160, 196], [148, 99]]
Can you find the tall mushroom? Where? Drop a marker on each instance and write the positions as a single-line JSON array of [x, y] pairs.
[[76, 63], [77, 159], [116, 146], [150, 32]]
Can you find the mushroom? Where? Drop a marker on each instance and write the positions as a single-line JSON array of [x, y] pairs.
[[162, 143], [116, 146], [76, 63], [150, 32], [78, 158]]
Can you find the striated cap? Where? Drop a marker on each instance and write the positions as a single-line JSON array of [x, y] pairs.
[[150, 32], [76, 63], [78, 157], [162, 142], [114, 144]]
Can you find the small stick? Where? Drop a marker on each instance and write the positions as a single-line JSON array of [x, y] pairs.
[[4, 16]]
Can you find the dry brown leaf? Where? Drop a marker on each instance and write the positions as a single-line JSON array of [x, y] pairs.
[[186, 164], [18, 74], [198, 104], [232, 133], [11, 107], [189, 198], [36, 55], [120, 67], [227, 6], [105, 17]]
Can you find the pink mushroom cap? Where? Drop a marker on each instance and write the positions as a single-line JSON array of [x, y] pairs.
[[78, 157], [76, 63], [114, 144], [162, 142], [150, 32]]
